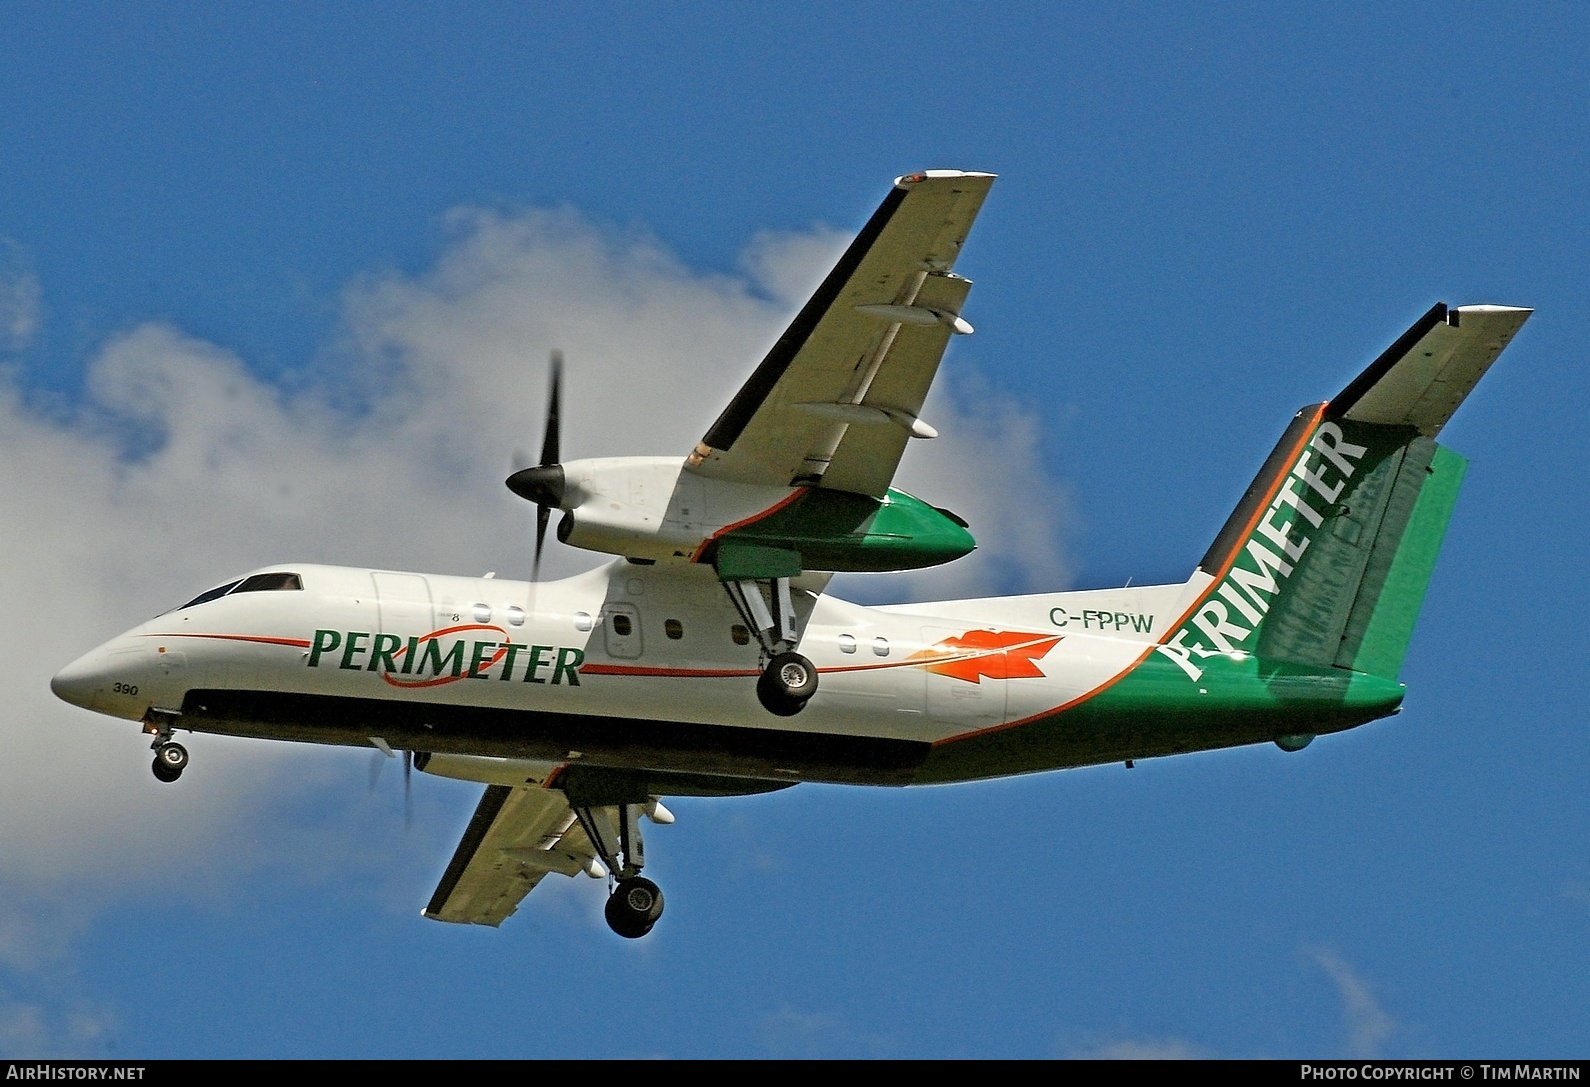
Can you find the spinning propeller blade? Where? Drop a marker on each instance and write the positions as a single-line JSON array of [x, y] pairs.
[[543, 515], [549, 443], [408, 790], [544, 483]]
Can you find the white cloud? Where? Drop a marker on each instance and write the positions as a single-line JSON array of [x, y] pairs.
[[790, 1033], [985, 467], [19, 298], [1368, 1025], [42, 1012], [183, 467], [790, 266], [1144, 1049], [22, 1029]]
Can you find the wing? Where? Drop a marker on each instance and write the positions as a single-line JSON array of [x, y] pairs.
[[515, 838], [837, 397], [1424, 376]]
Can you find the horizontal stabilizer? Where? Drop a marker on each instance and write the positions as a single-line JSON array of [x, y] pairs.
[[1422, 378]]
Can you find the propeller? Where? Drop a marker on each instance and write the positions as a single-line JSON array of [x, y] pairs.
[[408, 789], [377, 761], [544, 483]]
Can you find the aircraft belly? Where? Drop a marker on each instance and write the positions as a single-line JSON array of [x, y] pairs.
[[768, 754]]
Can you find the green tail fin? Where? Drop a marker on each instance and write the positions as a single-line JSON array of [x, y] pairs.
[[1381, 625], [1326, 560]]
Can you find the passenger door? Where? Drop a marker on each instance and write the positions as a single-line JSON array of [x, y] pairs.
[[621, 631], [405, 604]]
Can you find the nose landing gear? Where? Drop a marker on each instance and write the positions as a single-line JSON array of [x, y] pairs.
[[171, 758]]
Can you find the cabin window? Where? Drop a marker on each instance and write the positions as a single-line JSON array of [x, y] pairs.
[[257, 583], [621, 625], [206, 597], [674, 629], [515, 616], [582, 620], [740, 635], [482, 613], [847, 643], [880, 646], [263, 583]]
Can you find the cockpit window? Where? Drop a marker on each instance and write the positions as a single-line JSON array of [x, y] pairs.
[[261, 583], [218, 591]]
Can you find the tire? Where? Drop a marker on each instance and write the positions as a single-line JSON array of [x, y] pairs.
[[786, 684], [633, 907], [163, 772], [173, 756]]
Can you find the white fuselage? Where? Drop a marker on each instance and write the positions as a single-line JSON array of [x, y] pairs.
[[658, 643]]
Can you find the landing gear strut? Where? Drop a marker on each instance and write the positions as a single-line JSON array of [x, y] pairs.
[[635, 902], [171, 758], [789, 679]]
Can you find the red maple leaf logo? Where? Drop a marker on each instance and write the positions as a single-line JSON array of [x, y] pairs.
[[991, 653]]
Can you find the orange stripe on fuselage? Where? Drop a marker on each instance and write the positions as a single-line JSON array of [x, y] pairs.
[[1106, 685], [296, 643], [417, 684], [1247, 531]]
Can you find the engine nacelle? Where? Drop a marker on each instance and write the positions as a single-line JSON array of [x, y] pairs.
[[649, 507], [484, 768], [656, 508]]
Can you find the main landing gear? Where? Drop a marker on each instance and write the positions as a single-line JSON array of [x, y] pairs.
[[788, 679], [171, 758], [786, 684], [635, 902]]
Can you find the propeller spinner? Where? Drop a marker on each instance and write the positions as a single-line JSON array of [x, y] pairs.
[[544, 483]]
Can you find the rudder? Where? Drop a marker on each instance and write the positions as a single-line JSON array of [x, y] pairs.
[[1326, 560]]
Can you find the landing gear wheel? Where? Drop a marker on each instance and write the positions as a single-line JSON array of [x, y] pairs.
[[788, 681], [170, 760], [633, 907]]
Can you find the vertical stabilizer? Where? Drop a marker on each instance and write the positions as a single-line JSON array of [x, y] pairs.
[[1326, 560]]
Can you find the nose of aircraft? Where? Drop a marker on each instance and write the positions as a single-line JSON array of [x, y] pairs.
[[83, 682]]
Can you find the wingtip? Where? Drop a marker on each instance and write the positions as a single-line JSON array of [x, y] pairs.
[[1525, 310], [905, 181], [1489, 316]]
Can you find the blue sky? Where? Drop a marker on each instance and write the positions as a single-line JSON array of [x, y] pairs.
[[241, 250]]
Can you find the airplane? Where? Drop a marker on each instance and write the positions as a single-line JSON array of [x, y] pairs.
[[706, 659]]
